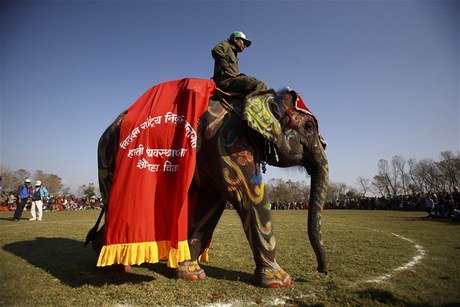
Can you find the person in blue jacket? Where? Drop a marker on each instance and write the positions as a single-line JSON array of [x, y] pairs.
[[24, 192]]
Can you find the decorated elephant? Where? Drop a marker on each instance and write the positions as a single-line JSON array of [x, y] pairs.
[[235, 138]]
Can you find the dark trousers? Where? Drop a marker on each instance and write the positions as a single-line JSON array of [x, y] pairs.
[[241, 84], [20, 208]]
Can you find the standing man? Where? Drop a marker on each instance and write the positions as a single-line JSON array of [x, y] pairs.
[[3, 196], [226, 72], [456, 197], [38, 194], [23, 196]]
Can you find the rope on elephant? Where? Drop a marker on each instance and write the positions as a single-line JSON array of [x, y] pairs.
[[228, 106]]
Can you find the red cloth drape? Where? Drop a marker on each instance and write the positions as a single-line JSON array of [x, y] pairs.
[[148, 206]]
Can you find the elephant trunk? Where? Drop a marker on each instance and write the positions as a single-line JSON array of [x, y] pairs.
[[319, 185]]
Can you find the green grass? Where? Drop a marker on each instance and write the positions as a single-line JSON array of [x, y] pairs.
[[44, 263]]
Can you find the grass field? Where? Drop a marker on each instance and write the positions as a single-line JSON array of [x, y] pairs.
[[375, 258]]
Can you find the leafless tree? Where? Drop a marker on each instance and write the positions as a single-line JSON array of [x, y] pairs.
[[429, 175], [336, 191], [449, 167], [279, 189], [399, 173], [364, 184], [405, 176], [12, 180], [386, 179], [52, 182], [381, 185], [416, 180]]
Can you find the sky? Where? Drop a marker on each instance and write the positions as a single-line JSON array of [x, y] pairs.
[[382, 77]]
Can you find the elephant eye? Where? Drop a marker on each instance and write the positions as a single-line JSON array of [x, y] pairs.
[[309, 125]]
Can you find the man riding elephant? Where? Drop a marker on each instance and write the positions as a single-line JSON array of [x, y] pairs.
[[226, 72]]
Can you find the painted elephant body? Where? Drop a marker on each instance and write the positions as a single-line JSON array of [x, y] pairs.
[[229, 156]]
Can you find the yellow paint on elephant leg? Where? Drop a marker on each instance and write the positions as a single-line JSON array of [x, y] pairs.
[[265, 232]]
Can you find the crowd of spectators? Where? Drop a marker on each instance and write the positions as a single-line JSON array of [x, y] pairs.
[[56, 203], [285, 205], [440, 204], [437, 205]]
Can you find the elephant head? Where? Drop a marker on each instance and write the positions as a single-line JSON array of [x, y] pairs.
[[292, 139], [298, 143]]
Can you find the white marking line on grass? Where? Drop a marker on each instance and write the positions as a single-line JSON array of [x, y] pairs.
[[237, 303], [416, 259]]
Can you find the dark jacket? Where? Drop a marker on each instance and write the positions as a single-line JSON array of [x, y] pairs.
[[226, 61]]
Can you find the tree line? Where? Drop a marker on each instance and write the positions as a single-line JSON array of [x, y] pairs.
[[11, 180], [400, 176]]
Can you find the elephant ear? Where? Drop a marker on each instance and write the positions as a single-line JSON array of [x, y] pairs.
[[258, 114]]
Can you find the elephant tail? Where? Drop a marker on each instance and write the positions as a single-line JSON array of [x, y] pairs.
[[92, 233]]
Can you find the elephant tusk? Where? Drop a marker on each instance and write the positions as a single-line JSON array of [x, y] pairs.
[[276, 154], [274, 150]]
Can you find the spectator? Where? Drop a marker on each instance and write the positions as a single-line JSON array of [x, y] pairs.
[[39, 194], [23, 198], [456, 197], [436, 205], [429, 205], [3, 197], [11, 202]]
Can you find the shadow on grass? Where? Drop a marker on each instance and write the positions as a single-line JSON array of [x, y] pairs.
[[74, 265], [385, 297], [70, 262], [382, 296], [11, 218], [225, 274], [211, 272]]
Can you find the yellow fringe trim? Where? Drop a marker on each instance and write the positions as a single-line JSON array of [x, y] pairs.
[[204, 257], [138, 253]]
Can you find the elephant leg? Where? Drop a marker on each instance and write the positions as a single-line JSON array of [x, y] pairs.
[[230, 158], [257, 226], [246, 191], [208, 210]]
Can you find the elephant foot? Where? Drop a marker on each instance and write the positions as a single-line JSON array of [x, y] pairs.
[[272, 278], [190, 270]]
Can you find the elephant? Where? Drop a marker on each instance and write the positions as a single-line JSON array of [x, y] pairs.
[[231, 155]]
